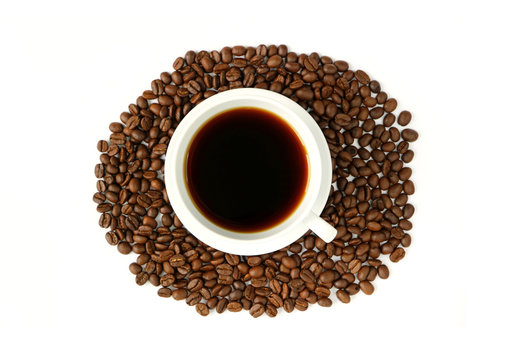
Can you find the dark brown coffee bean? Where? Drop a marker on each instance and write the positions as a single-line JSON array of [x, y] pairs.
[[341, 65], [321, 291], [135, 268], [409, 135], [404, 118], [408, 156], [270, 310], [355, 266], [164, 292], [257, 310], [362, 77], [234, 306], [325, 302], [408, 211], [256, 272], [221, 306], [408, 187], [141, 278], [301, 304], [99, 170], [178, 63], [102, 146], [289, 262], [274, 61], [405, 173], [383, 272], [390, 105], [124, 248], [366, 287], [202, 309], [179, 294], [305, 93], [343, 296], [311, 64], [397, 255], [177, 260]]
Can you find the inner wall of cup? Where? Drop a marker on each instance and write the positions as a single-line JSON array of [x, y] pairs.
[[314, 170]]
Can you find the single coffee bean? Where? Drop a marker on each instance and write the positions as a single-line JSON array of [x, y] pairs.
[[234, 306], [366, 287], [390, 105], [256, 272], [179, 294], [135, 268], [289, 262], [257, 310], [141, 278], [383, 272], [124, 248], [397, 255], [270, 310], [221, 306], [325, 302], [404, 118], [408, 187], [301, 304], [408, 211], [409, 135], [305, 93], [343, 296], [102, 146], [202, 309], [164, 292]]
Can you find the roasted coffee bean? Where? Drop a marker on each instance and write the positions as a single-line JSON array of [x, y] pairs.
[[135, 268], [202, 309], [301, 304], [270, 310], [325, 302], [397, 255], [234, 306], [289, 262], [404, 118], [408, 211], [164, 292], [366, 287], [124, 248], [257, 310], [408, 187], [256, 272], [343, 296], [179, 294], [102, 146], [221, 306], [409, 135], [390, 105], [383, 272], [362, 77], [142, 278]]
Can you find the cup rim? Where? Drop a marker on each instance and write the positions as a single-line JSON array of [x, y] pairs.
[[274, 238]]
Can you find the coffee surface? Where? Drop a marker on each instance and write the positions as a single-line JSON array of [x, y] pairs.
[[247, 169]]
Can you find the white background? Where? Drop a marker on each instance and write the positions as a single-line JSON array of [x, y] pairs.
[[68, 69]]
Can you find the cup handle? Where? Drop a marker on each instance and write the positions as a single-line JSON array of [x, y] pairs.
[[320, 227]]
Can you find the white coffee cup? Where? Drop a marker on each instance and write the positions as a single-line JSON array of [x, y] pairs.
[[303, 218]]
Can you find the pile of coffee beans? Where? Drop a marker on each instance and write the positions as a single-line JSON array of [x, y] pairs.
[[368, 202]]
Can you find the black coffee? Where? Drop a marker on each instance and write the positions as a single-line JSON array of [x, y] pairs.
[[247, 169]]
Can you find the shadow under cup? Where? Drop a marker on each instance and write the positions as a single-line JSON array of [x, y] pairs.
[[246, 170]]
